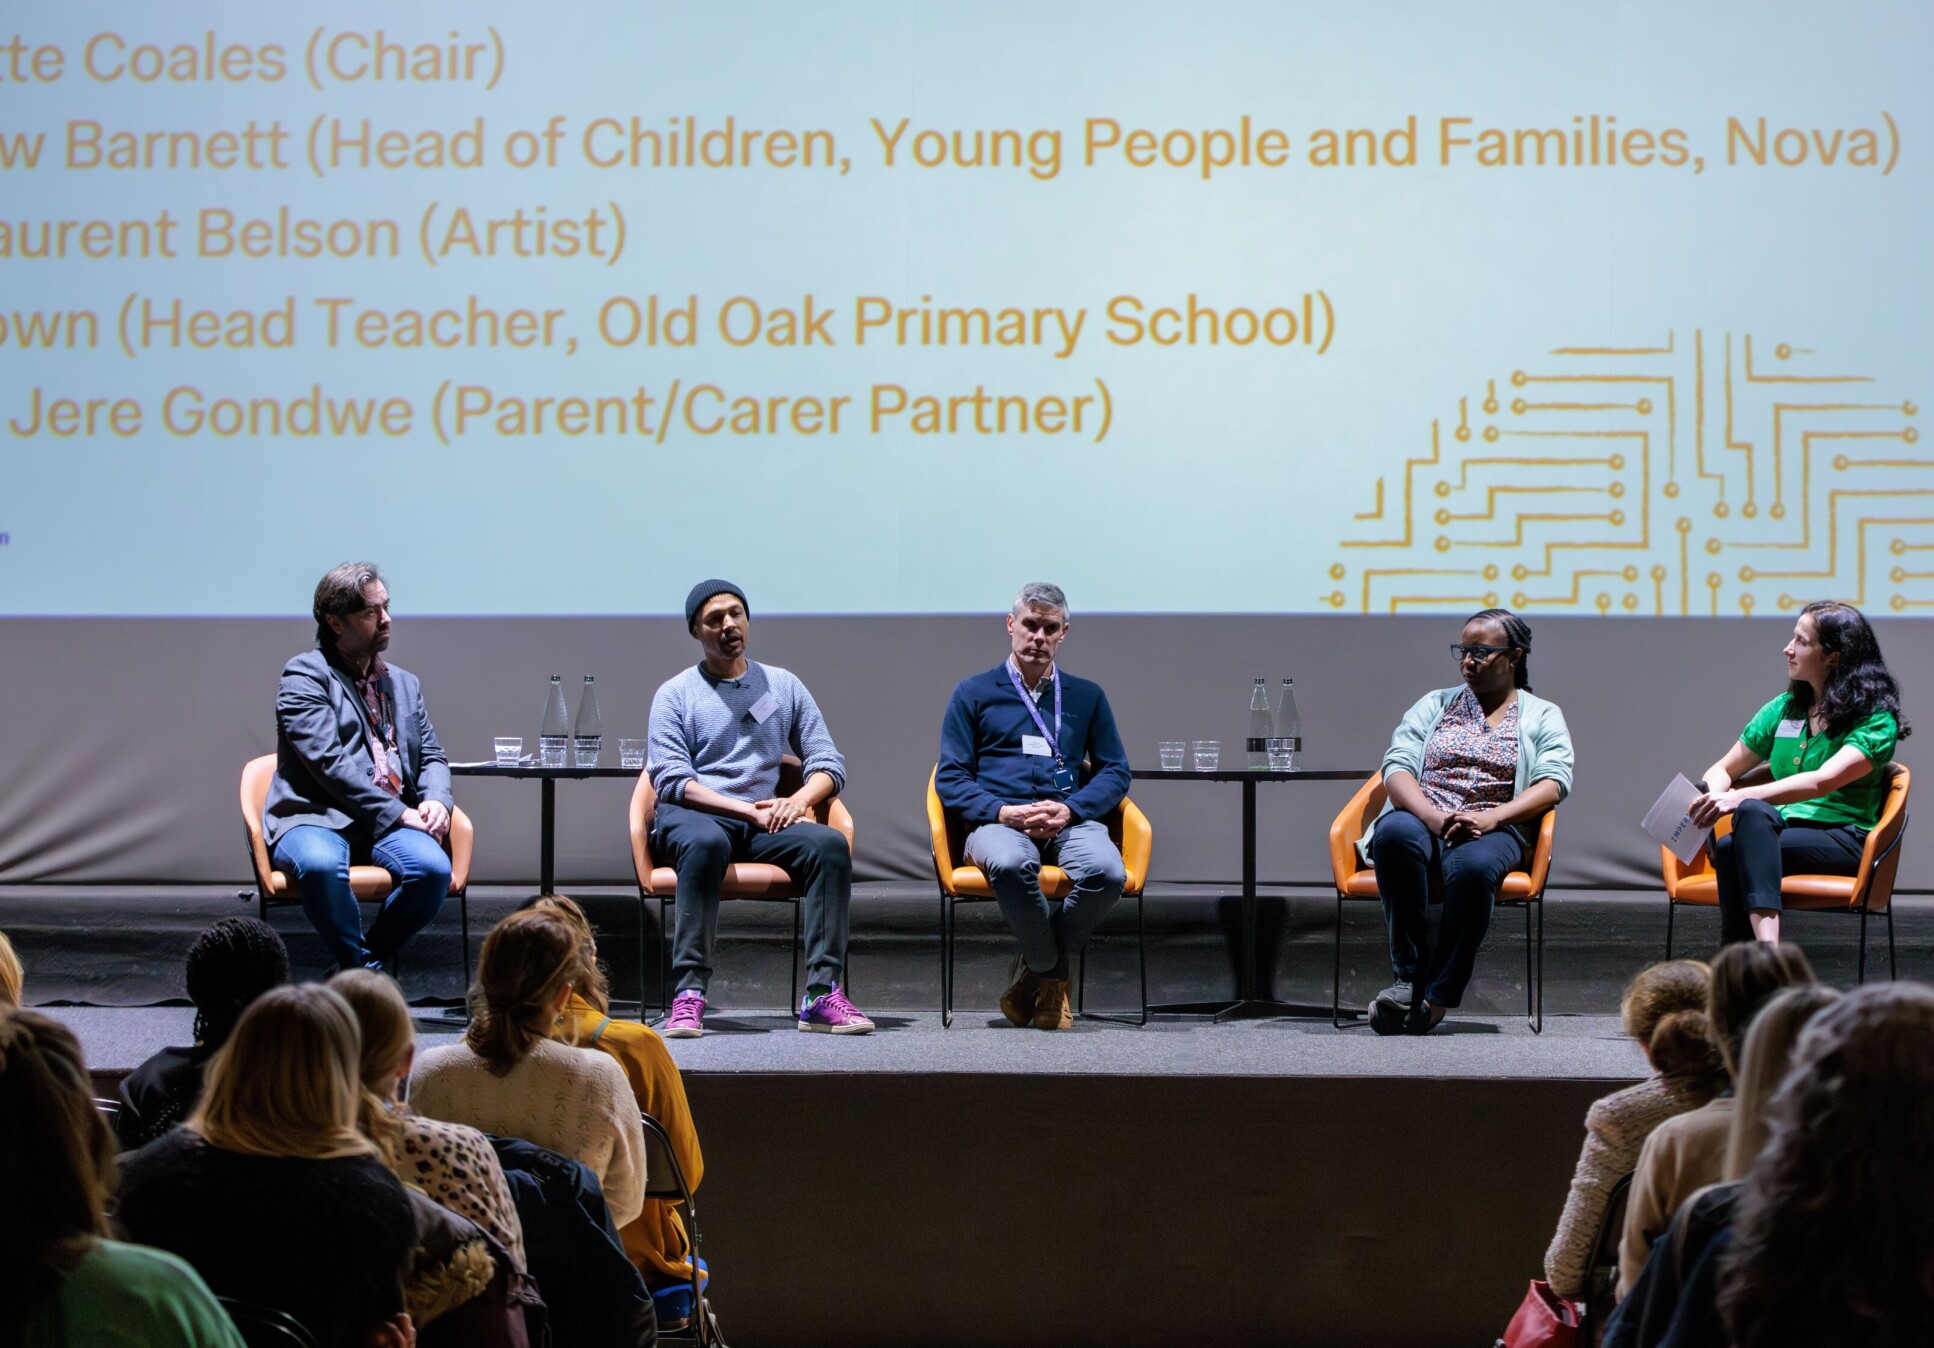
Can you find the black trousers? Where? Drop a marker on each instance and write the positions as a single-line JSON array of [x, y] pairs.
[[699, 846], [1765, 845]]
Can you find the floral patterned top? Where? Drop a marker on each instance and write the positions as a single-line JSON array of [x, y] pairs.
[[458, 1168], [1469, 763]]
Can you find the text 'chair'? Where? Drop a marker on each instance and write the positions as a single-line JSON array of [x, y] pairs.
[[1870, 889], [1354, 880], [743, 879], [665, 1181], [1128, 829], [371, 884]]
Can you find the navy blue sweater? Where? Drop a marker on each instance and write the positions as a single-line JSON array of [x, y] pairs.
[[981, 764]]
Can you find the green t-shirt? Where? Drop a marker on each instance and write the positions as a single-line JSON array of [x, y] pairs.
[[1779, 733], [129, 1296]]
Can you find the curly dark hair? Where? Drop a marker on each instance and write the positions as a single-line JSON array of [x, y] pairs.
[[1833, 1238], [1860, 684], [230, 965], [1517, 634]]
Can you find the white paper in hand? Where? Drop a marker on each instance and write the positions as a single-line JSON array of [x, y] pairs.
[[1669, 821]]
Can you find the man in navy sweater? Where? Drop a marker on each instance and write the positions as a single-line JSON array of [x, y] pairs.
[[1012, 749]]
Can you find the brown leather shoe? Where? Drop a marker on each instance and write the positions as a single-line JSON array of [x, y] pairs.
[[1023, 988], [1051, 1006]]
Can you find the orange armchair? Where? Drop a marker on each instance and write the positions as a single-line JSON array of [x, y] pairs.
[[1354, 880], [1128, 829], [743, 879], [1870, 889], [371, 884]]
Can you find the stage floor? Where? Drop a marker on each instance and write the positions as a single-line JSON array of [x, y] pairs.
[[1491, 1048]]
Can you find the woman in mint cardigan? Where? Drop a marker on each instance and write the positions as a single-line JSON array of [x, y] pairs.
[[1828, 739], [1469, 773]]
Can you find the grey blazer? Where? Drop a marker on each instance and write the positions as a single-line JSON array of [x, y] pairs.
[[325, 773]]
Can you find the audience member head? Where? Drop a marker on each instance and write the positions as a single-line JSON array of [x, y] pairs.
[[1833, 1238], [1744, 976], [1762, 1066], [389, 1046], [524, 978], [288, 1081], [56, 1161], [230, 965], [1665, 1011], [11, 979], [589, 981]]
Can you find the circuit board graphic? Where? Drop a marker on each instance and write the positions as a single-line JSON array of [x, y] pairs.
[[1715, 473]]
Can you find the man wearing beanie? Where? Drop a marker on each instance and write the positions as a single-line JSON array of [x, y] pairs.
[[717, 733]]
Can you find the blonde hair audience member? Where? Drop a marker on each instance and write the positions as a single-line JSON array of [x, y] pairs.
[[510, 1078], [657, 1242], [450, 1163], [1665, 1011], [67, 1282], [270, 1190], [12, 982], [1688, 1152]]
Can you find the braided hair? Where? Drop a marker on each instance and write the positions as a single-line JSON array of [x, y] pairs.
[[1517, 633], [230, 965]]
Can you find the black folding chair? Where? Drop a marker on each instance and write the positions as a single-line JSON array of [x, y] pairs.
[[665, 1181], [267, 1327]]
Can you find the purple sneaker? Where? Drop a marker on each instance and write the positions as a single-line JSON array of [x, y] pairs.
[[687, 1020], [831, 1013]]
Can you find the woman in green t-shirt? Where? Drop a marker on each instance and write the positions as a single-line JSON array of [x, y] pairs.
[[1828, 739]]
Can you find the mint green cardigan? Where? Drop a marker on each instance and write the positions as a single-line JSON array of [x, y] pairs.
[[1544, 752]]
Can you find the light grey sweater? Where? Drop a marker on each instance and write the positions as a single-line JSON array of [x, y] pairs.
[[704, 730]]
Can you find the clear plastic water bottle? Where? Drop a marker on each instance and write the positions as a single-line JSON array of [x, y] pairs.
[[589, 728], [1289, 722], [554, 740], [1259, 728]]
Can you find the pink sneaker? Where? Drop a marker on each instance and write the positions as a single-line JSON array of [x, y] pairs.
[[831, 1013], [687, 1020]]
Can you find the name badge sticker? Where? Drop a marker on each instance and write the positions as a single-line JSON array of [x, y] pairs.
[[764, 708], [1036, 745], [1789, 730]]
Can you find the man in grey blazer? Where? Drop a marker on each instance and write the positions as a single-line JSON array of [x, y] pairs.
[[359, 776]]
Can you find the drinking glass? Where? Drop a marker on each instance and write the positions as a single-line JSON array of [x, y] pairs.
[[510, 748], [1174, 754], [1208, 754], [631, 753], [1282, 754]]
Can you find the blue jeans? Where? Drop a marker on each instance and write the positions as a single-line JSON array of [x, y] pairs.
[[319, 859], [1049, 932], [1413, 866]]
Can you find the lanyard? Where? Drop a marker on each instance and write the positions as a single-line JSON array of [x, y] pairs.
[[1034, 710]]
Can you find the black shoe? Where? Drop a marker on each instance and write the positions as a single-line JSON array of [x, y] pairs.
[[1391, 1008], [1423, 1018]]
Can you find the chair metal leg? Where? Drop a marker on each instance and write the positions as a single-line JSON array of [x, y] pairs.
[[1141, 952], [1538, 1002], [463, 908], [1861, 977], [1893, 970], [1336, 969], [641, 958], [1671, 909], [664, 955], [793, 958], [946, 963]]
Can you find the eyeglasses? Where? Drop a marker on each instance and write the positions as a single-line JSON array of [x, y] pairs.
[[1477, 653]]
